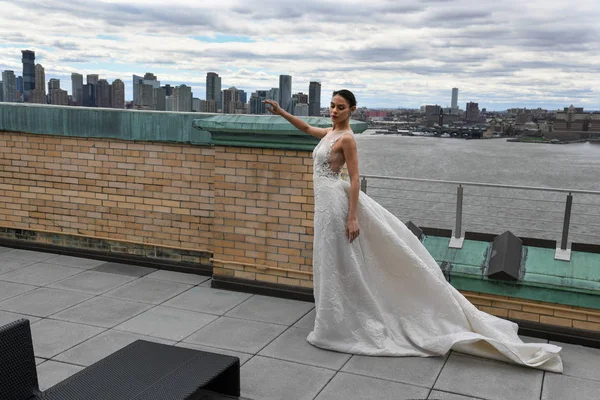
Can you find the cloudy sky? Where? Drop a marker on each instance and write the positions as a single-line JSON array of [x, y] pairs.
[[402, 53]]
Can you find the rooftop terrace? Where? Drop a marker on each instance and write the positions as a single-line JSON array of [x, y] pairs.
[[82, 310]]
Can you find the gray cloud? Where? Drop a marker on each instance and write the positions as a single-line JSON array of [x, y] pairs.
[[65, 45]]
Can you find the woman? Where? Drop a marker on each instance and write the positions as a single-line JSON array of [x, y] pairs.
[[377, 289]]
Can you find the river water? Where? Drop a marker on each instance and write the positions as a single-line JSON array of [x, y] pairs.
[[526, 213]]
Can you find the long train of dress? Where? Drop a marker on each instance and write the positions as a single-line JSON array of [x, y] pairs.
[[384, 294]]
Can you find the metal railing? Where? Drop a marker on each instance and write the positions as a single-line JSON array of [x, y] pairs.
[[527, 211]]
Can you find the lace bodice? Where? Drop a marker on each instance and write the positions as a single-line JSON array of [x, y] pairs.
[[321, 156]]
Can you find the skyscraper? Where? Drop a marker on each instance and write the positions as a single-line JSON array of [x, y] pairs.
[[273, 94], [20, 84], [88, 98], [213, 86], [77, 87], [243, 96], [38, 94], [9, 87], [159, 99], [117, 95], [1, 91], [256, 102], [314, 99], [59, 97], [136, 82], [92, 79], [301, 110], [454, 105], [231, 99], [28, 72], [103, 91], [300, 98], [285, 92], [196, 104], [53, 84], [182, 98], [142, 96]]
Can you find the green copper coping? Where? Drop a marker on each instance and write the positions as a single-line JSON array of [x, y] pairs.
[[266, 131], [576, 282], [101, 123], [161, 126]]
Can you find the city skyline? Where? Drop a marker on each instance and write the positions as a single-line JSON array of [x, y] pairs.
[[391, 54]]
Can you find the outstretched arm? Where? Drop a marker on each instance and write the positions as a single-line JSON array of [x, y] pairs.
[[297, 122], [351, 156]]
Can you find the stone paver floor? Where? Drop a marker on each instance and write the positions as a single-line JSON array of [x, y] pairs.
[[82, 310]]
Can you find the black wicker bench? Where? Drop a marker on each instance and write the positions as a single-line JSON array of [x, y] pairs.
[[141, 371]]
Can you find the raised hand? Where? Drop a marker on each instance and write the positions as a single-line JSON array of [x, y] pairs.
[[274, 109]]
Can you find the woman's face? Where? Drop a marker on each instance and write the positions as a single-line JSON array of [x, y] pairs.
[[339, 109]]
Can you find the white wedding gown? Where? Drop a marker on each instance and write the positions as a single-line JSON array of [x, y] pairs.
[[385, 295]]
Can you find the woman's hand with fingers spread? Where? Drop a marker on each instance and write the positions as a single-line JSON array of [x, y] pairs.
[[274, 109]]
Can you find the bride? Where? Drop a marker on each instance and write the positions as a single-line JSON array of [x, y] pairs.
[[377, 289]]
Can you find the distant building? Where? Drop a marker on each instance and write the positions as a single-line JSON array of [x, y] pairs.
[[213, 86], [88, 98], [472, 112], [285, 92], [1, 91], [20, 84], [117, 94], [242, 96], [103, 92], [9, 87], [142, 89], [159, 99], [377, 114], [77, 87], [182, 98], [300, 98], [92, 79], [231, 100], [301, 110], [168, 90], [257, 105], [314, 99], [273, 94], [59, 97], [38, 94], [169, 103], [432, 110], [53, 84], [209, 106], [454, 104], [297, 98], [575, 119], [28, 73], [196, 104]]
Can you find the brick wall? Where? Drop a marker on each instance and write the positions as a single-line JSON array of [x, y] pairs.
[[536, 311], [141, 192], [263, 225]]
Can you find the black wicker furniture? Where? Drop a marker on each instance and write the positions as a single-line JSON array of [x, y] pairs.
[[140, 371]]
